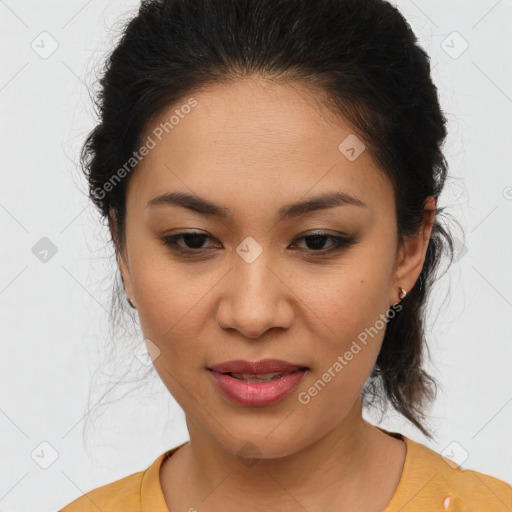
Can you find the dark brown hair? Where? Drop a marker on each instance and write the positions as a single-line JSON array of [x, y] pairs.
[[362, 56]]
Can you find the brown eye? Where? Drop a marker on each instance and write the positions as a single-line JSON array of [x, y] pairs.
[[316, 242], [193, 241]]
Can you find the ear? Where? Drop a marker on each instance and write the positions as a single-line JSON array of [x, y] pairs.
[[121, 259], [412, 254]]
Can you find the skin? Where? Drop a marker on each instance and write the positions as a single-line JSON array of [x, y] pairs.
[[254, 146]]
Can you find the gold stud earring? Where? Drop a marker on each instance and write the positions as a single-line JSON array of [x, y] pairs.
[[401, 293]]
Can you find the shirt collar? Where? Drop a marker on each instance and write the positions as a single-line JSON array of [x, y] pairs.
[[151, 495]]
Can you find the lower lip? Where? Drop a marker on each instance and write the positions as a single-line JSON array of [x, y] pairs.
[[257, 393]]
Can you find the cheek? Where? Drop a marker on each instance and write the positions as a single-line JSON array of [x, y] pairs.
[[348, 300], [349, 333], [170, 304], [173, 311], [347, 311]]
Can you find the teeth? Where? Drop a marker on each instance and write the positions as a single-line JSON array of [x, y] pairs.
[[250, 377]]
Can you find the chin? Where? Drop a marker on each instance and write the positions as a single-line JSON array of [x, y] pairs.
[[265, 442]]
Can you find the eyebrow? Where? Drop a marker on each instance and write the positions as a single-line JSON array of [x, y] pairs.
[[205, 207]]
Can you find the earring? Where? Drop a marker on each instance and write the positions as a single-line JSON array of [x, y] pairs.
[[401, 293], [130, 302]]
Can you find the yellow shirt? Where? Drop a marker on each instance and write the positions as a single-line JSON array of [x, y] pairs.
[[428, 484]]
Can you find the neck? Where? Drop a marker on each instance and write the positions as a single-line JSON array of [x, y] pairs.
[[335, 466]]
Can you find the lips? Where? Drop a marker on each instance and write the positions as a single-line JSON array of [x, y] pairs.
[[254, 369], [258, 383]]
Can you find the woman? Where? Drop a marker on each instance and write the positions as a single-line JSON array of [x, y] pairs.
[[270, 172]]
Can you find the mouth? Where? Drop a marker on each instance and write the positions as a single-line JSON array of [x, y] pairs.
[[261, 377], [258, 386], [264, 368]]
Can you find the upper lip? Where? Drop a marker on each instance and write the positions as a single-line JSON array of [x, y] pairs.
[[256, 367]]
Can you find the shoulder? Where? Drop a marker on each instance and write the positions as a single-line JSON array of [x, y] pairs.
[[123, 494], [132, 493], [431, 479]]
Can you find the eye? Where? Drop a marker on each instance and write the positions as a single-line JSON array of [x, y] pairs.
[[315, 242], [194, 241]]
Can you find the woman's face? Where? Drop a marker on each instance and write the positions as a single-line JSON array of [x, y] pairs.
[[253, 287]]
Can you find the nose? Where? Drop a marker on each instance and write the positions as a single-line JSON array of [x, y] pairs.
[[256, 299]]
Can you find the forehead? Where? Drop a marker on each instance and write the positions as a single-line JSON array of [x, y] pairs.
[[254, 138]]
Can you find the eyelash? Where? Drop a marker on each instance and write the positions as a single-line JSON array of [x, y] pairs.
[[340, 243]]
